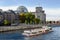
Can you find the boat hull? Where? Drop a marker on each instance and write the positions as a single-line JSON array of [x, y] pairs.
[[30, 35]]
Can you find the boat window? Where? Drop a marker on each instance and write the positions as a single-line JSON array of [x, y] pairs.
[[40, 31], [33, 32]]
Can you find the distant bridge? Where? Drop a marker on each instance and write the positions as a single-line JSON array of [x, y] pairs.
[[53, 23]]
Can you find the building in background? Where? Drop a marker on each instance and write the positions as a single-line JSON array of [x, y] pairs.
[[13, 16], [21, 9], [9, 15], [40, 13], [1, 18]]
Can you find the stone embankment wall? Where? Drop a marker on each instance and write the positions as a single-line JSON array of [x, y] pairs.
[[14, 28]]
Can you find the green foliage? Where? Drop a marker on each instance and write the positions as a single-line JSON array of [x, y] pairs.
[[37, 21], [31, 22], [22, 18], [26, 21], [6, 22], [28, 18]]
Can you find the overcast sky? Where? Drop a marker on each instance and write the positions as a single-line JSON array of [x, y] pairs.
[[51, 7]]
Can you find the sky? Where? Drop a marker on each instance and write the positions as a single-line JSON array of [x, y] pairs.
[[51, 7]]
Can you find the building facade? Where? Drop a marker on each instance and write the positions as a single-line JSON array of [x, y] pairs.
[[21, 9], [9, 15], [39, 13]]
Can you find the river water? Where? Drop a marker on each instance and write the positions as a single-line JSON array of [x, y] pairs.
[[55, 35]]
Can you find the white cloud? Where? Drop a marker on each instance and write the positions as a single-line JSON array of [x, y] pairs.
[[53, 18], [31, 9], [8, 7], [53, 13]]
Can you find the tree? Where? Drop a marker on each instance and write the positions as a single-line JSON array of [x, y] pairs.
[[29, 17], [37, 21], [22, 18], [53, 21], [50, 22], [6, 22], [26, 21]]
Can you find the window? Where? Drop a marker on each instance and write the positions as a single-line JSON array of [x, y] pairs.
[[38, 16]]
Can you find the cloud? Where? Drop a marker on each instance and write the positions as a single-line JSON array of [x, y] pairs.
[[52, 18], [8, 7], [31, 9], [53, 13]]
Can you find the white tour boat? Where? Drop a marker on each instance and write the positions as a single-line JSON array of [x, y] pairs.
[[34, 32], [47, 29]]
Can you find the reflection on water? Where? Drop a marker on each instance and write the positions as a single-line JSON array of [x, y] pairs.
[[18, 36]]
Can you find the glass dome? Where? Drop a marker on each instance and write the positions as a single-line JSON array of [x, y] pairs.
[[21, 9]]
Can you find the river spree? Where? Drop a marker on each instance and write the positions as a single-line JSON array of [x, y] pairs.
[[18, 36]]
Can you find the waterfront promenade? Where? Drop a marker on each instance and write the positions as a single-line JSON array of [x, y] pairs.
[[20, 27]]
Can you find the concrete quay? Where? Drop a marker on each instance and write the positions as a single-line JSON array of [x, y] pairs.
[[14, 28]]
